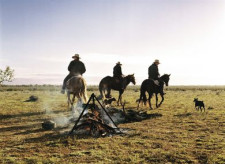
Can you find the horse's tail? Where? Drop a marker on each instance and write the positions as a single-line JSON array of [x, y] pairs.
[[102, 94], [143, 98], [142, 93]]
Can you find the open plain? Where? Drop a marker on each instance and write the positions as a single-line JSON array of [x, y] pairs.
[[180, 134]]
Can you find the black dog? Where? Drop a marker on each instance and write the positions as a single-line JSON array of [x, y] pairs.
[[199, 104]]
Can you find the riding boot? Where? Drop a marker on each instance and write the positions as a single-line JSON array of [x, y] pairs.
[[64, 83], [122, 86], [122, 83], [163, 93], [63, 91], [156, 82], [63, 88]]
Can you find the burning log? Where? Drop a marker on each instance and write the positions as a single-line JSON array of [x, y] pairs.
[[93, 122], [94, 125]]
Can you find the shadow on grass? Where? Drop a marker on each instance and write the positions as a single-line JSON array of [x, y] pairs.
[[30, 131], [183, 115], [18, 128], [9, 116], [47, 137]]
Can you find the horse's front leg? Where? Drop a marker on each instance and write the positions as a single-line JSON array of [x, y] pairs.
[[118, 99], [161, 94], [156, 99]]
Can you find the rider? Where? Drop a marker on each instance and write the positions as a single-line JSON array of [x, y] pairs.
[[76, 67], [153, 72], [117, 73]]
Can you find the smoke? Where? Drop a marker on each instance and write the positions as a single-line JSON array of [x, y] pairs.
[[62, 121], [65, 119], [77, 110], [116, 116]]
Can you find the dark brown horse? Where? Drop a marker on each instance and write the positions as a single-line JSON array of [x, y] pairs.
[[108, 83], [76, 86], [149, 86]]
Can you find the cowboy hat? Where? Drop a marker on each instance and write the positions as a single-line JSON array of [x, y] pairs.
[[118, 63], [156, 61], [76, 56]]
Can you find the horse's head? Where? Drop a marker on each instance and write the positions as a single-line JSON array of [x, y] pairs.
[[131, 78], [165, 78]]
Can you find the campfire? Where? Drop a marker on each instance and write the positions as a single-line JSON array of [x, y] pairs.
[[94, 122], [92, 119]]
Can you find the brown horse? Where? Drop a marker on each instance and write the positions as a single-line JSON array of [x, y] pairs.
[[108, 83], [76, 86], [149, 86]]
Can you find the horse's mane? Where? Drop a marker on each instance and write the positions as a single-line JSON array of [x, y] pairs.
[[163, 76]]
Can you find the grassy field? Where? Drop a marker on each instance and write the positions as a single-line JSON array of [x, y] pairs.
[[180, 135]]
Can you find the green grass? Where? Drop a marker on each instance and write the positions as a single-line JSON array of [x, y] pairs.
[[181, 135]]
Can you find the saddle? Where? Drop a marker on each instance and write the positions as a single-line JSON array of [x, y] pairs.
[[156, 82], [119, 81], [74, 76]]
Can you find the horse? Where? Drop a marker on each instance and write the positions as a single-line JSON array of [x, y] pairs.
[[149, 86], [108, 83], [76, 86]]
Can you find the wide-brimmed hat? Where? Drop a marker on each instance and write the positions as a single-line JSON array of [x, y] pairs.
[[76, 56], [156, 61], [118, 63]]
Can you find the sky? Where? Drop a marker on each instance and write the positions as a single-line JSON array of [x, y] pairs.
[[39, 37]]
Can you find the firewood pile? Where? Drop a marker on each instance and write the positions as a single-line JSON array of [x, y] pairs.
[[92, 124], [130, 115]]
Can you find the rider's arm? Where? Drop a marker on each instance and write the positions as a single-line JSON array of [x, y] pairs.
[[83, 68], [70, 66]]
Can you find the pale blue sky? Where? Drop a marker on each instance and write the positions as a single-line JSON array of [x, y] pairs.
[[38, 38]]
